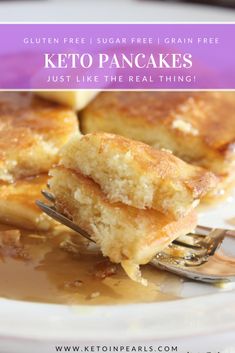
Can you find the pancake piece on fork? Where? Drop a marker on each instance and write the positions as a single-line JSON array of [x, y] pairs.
[[136, 174], [132, 199], [125, 234]]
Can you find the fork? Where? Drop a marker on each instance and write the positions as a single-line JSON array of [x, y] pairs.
[[195, 256]]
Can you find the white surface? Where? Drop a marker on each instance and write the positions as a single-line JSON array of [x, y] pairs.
[[25, 327], [206, 313], [110, 10]]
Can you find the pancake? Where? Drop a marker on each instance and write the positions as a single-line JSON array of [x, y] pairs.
[[17, 204], [125, 234], [198, 127], [32, 131], [136, 174]]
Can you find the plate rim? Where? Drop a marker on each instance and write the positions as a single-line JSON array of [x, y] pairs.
[[88, 312]]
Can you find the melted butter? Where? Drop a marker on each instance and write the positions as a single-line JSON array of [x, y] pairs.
[[53, 269]]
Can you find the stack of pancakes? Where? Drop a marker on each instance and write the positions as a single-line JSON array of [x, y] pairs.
[[32, 131], [132, 199], [133, 181]]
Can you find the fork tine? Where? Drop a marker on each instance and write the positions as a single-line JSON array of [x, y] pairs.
[[218, 236], [186, 245], [202, 230], [191, 240], [48, 195], [182, 259], [195, 241], [50, 211], [180, 252], [191, 254]]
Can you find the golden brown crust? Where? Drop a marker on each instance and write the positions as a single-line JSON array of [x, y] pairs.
[[197, 126], [211, 113], [136, 174], [159, 163], [31, 127]]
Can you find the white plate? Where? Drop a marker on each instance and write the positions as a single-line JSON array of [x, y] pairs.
[[109, 11], [205, 310]]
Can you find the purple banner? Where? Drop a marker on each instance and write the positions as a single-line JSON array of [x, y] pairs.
[[117, 56]]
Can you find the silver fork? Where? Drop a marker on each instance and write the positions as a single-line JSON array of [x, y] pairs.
[[196, 256]]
